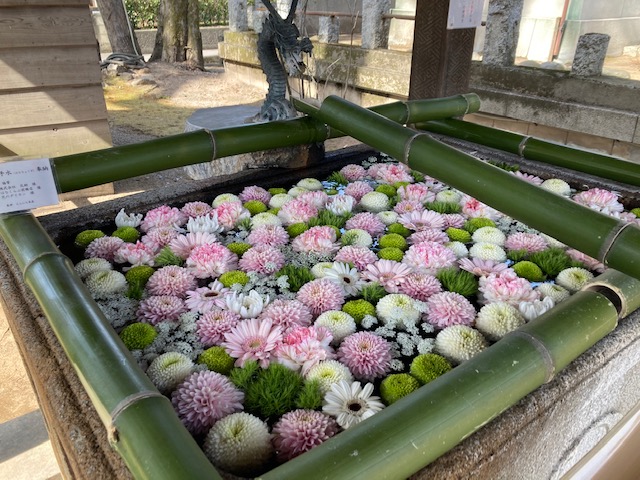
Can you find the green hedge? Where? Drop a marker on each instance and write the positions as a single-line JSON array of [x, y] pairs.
[[142, 13]]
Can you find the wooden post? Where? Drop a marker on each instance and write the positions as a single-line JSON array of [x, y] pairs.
[[441, 57]]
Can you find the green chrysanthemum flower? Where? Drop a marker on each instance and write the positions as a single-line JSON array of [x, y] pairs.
[[127, 234], [391, 253], [138, 335], [233, 277], [399, 229], [394, 240], [529, 271], [273, 211], [400, 184], [277, 190], [474, 224], [443, 207], [388, 190], [358, 309], [217, 360], [396, 386], [105, 283], [239, 248], [139, 275], [458, 235], [86, 267], [458, 281], [84, 238], [636, 211], [428, 367], [373, 292], [417, 176], [168, 370], [296, 229]]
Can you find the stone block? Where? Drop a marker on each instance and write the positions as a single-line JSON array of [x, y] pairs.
[[329, 29], [590, 142], [590, 54], [511, 125], [550, 134]]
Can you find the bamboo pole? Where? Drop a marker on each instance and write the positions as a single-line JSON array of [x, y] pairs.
[[141, 423], [88, 169], [613, 242], [604, 166]]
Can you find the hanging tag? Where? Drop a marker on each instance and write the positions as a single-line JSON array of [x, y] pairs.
[[465, 14], [26, 184]]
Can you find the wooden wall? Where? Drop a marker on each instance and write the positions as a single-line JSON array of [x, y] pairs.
[[51, 99]]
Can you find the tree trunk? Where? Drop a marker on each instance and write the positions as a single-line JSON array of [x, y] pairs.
[[195, 59], [178, 39], [156, 55], [121, 37]]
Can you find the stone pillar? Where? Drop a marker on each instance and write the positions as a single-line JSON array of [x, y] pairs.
[[375, 29], [590, 52], [329, 29], [503, 27], [238, 21], [283, 7]]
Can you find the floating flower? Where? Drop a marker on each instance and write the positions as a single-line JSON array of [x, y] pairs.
[[254, 192], [449, 308], [574, 278], [211, 260], [161, 308], [158, 237], [252, 339], [473, 208], [417, 192], [262, 259], [128, 220], [171, 280], [556, 292], [358, 256], [224, 198], [300, 430], [600, 200], [341, 204], [279, 199], [481, 267], [206, 298], [454, 220], [535, 308], [163, 216], [328, 372], [196, 209], [204, 398], [310, 184], [398, 309], [408, 206], [489, 235], [488, 251], [459, 343], [387, 217], [213, 324], [182, 245], [557, 186], [297, 211], [366, 221], [357, 237], [366, 354], [428, 235], [133, 253], [204, 223], [417, 221], [339, 323], [392, 173], [304, 347], [589, 262], [388, 273], [230, 213], [420, 286], [86, 267], [104, 283], [316, 198], [374, 202], [353, 172], [429, 257], [533, 179], [321, 295], [345, 276], [530, 242], [320, 239], [168, 370], [350, 403], [448, 196], [287, 314], [247, 305], [497, 319], [358, 189], [104, 247], [506, 287], [265, 218]]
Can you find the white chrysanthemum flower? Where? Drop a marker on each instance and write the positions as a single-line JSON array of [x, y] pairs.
[[279, 199], [387, 217], [86, 267], [556, 292], [310, 184], [105, 283], [448, 196], [535, 308], [225, 197], [398, 309], [357, 237], [265, 218], [458, 343], [488, 251], [341, 204], [339, 323], [239, 443], [350, 403], [204, 223], [374, 202], [345, 276], [168, 370], [247, 305], [328, 372], [557, 186], [297, 191], [497, 319], [459, 248], [319, 270], [574, 278], [128, 220], [489, 235]]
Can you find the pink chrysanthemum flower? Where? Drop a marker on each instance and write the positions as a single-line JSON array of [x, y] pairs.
[[262, 259], [230, 213], [590, 262], [449, 308], [304, 347], [506, 287], [358, 189], [253, 339], [531, 242], [367, 355], [366, 221], [420, 286], [392, 173], [353, 172], [104, 247], [417, 192], [341, 204], [428, 235], [287, 313], [408, 206], [298, 431], [480, 267], [320, 239], [213, 324], [254, 192], [171, 280], [196, 209], [601, 200], [163, 216], [454, 220], [211, 260], [388, 273], [204, 398], [183, 244], [272, 235], [316, 198], [158, 237], [160, 308], [134, 253], [297, 211], [359, 257], [417, 221], [473, 208], [429, 257], [204, 299], [321, 295], [535, 180]]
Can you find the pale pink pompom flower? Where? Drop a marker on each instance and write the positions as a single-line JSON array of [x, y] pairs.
[[171, 280], [262, 259], [590, 262], [428, 235], [298, 431], [353, 172], [358, 189], [272, 235], [366, 221], [287, 313], [321, 295], [317, 198], [418, 192], [480, 267], [230, 213], [211, 260], [429, 257], [392, 173], [600, 200], [506, 287], [408, 206], [320, 239], [213, 324], [104, 247], [304, 347], [163, 216], [158, 237], [255, 192], [367, 355], [182, 245], [160, 308], [134, 253], [531, 242], [358, 256], [420, 286], [297, 211], [196, 209], [449, 308]]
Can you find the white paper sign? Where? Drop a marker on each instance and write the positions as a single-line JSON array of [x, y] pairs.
[[465, 13], [26, 184]]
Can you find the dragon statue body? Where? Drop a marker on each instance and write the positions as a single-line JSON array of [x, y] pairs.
[[280, 39]]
